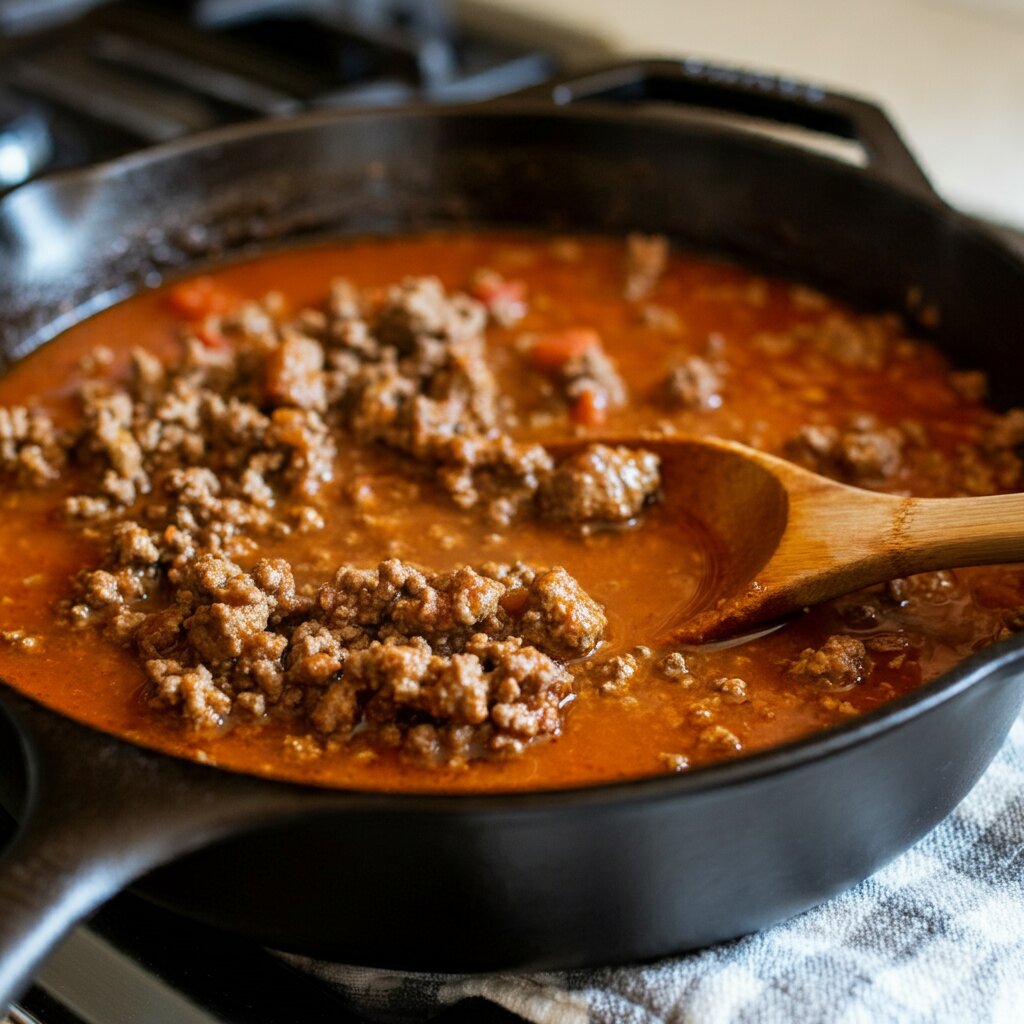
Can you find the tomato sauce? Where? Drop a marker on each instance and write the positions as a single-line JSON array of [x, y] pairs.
[[783, 359]]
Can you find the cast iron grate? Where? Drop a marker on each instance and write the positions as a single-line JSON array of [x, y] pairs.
[[135, 72]]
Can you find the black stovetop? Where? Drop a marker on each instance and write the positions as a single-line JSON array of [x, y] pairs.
[[77, 88]]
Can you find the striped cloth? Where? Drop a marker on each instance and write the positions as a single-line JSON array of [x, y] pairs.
[[936, 937]]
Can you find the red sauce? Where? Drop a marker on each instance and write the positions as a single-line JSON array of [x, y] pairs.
[[779, 367]]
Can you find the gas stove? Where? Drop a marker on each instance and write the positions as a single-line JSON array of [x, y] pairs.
[[82, 81]]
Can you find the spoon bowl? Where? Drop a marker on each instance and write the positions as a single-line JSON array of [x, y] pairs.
[[790, 539]]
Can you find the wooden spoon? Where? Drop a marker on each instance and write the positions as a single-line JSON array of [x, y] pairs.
[[791, 538]]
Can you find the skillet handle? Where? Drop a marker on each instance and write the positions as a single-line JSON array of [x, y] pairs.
[[733, 90], [99, 813]]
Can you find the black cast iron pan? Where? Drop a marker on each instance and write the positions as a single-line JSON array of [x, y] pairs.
[[610, 874]]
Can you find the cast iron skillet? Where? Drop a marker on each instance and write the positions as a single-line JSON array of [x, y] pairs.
[[609, 874]]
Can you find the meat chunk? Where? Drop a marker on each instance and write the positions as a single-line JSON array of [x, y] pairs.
[[220, 630], [839, 664], [495, 473], [694, 384], [1006, 432], [397, 601], [309, 447], [419, 308], [274, 577], [560, 618], [315, 655], [294, 373], [134, 546], [601, 484], [497, 695], [646, 260], [29, 445], [862, 342], [862, 453], [204, 705]]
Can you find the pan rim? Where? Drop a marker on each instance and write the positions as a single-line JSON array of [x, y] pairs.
[[995, 664]]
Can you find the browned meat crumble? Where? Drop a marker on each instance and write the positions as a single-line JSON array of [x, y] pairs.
[[458, 663], [601, 484], [30, 450], [841, 662], [694, 384], [863, 453], [188, 461], [646, 260]]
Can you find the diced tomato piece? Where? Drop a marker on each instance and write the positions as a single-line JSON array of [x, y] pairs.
[[493, 289], [553, 349], [210, 336], [201, 297], [590, 409]]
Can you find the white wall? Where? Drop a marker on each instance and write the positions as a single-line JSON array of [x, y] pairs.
[[950, 72]]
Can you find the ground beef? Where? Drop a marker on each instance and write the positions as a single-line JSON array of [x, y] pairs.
[[557, 616], [256, 408], [646, 260], [183, 464], [134, 546], [30, 448], [840, 663], [22, 640], [396, 600], [414, 376], [694, 384], [419, 309], [475, 655], [673, 665], [613, 675], [294, 373], [601, 484], [493, 696], [191, 689], [862, 453], [495, 473], [862, 342], [732, 689], [719, 738], [1006, 432], [303, 449], [232, 611]]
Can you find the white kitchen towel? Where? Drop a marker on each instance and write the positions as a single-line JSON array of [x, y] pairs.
[[937, 937]]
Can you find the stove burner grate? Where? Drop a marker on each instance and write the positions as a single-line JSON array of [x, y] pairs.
[[77, 89]]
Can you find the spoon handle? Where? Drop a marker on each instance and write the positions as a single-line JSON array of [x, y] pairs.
[[839, 539], [943, 533]]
